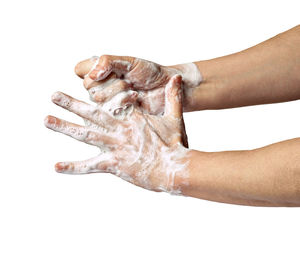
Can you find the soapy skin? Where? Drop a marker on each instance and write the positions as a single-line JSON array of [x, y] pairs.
[[265, 73], [143, 149], [106, 76]]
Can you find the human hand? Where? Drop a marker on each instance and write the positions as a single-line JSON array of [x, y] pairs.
[[143, 149], [106, 76]]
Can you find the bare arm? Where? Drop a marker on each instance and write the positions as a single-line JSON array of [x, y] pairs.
[[268, 176], [266, 73]]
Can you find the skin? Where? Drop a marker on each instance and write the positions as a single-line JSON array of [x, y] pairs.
[[241, 79], [266, 73], [136, 148], [114, 74], [268, 176]]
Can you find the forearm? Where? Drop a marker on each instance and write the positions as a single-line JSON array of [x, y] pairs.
[[269, 176], [266, 73]]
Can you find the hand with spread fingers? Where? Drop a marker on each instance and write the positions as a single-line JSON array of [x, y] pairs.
[[138, 124], [143, 149], [106, 76]]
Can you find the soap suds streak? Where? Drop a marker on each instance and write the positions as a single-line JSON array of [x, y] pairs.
[[191, 76], [94, 59]]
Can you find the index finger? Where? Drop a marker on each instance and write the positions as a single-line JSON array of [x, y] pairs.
[[85, 66], [100, 68]]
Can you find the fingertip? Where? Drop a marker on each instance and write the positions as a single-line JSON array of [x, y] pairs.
[[61, 167], [46, 120], [52, 122], [49, 120], [173, 97], [174, 85], [85, 66], [56, 96], [80, 69], [134, 94], [93, 75], [58, 167], [177, 79], [88, 82], [77, 70]]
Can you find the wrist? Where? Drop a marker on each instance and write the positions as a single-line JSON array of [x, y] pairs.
[[203, 93], [175, 170], [191, 79], [191, 76], [184, 180]]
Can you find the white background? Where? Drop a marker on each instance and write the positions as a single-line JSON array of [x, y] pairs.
[[43, 212]]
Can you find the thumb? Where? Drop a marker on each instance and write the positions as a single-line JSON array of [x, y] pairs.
[[173, 97], [85, 66]]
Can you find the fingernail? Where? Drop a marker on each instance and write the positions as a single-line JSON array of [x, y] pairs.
[[61, 166], [49, 121], [134, 94], [56, 97]]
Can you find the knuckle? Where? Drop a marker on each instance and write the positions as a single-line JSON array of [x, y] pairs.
[[100, 97], [104, 59], [90, 136]]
